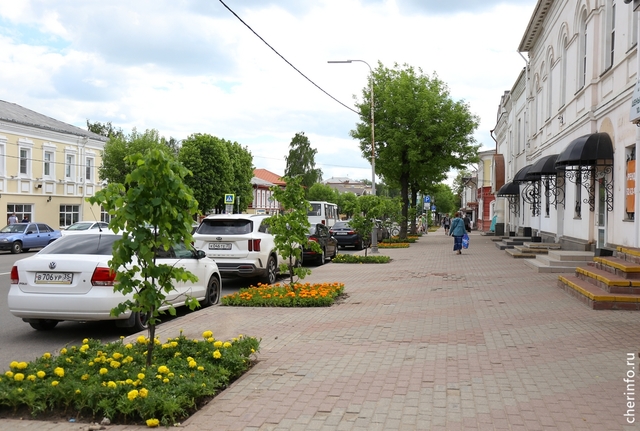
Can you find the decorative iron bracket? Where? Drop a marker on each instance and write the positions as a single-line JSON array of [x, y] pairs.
[[587, 177]]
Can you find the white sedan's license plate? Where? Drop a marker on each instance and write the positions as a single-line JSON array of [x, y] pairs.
[[220, 246], [54, 277]]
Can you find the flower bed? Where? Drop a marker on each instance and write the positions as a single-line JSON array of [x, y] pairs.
[[95, 380], [355, 258], [395, 239], [277, 295], [393, 245]]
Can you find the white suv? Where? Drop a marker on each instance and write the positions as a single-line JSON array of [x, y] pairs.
[[240, 244]]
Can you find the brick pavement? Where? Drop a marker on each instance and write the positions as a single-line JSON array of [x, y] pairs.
[[431, 341]]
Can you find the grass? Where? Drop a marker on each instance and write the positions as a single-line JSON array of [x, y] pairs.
[[354, 258], [94, 380], [285, 295]]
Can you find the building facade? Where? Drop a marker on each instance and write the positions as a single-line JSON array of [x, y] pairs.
[[47, 168], [566, 129]]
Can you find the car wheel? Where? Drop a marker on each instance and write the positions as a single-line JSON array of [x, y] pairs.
[[360, 245], [43, 324], [322, 258], [16, 247], [140, 321], [272, 271], [212, 295]]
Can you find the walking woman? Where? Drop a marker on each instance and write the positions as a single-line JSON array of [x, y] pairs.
[[445, 222], [457, 232]]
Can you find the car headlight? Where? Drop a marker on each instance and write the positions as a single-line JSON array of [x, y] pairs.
[[4, 240]]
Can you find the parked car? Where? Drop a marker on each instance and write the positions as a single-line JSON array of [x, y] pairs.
[[346, 236], [85, 227], [25, 236], [319, 233], [240, 244], [71, 280]]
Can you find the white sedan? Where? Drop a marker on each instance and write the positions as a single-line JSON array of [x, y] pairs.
[[85, 227], [70, 280]]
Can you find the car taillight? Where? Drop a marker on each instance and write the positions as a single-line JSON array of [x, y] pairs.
[[15, 278], [330, 232], [254, 245], [103, 277], [311, 238], [351, 232]]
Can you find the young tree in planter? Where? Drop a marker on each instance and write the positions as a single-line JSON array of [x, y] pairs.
[[369, 209], [154, 210], [290, 229]]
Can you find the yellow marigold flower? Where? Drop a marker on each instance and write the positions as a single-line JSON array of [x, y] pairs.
[[85, 341], [163, 369], [170, 375], [77, 391], [143, 393], [156, 341], [117, 355], [192, 364], [141, 376], [55, 383], [175, 355], [217, 344], [59, 372], [22, 365], [174, 344], [98, 359], [63, 351], [114, 364], [226, 345], [13, 364], [207, 334], [69, 360], [217, 354], [201, 368], [141, 340], [31, 378], [152, 423], [18, 377], [128, 346], [103, 371], [253, 350], [132, 395], [84, 348], [189, 359], [158, 376], [166, 346], [129, 382], [47, 355], [41, 374], [112, 385], [211, 340], [9, 374], [165, 380], [240, 336], [85, 377]]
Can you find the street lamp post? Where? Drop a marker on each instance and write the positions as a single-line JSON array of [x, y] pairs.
[[374, 233]]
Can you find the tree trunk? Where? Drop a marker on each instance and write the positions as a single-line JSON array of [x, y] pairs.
[[414, 205], [404, 189], [151, 344]]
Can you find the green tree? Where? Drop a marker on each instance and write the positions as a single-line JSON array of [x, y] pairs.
[[208, 159], [443, 198], [369, 209], [106, 129], [156, 196], [301, 161], [242, 170], [347, 204], [115, 167], [421, 132], [290, 228], [322, 192]]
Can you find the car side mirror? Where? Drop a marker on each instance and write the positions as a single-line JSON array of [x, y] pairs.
[[29, 232], [200, 254]]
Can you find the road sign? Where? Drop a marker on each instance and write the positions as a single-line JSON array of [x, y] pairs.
[[427, 199], [229, 199], [433, 207]]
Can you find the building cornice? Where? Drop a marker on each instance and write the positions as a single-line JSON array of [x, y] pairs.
[[534, 29]]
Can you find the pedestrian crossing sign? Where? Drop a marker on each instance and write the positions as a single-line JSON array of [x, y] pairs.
[[229, 199]]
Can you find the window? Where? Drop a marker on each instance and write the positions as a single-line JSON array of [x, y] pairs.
[[563, 72], [582, 77], [21, 210], [3, 142], [611, 34], [550, 89], [578, 208], [88, 176], [104, 215], [68, 167], [24, 161], [48, 164], [69, 214]]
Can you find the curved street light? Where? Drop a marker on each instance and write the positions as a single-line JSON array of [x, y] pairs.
[[374, 233]]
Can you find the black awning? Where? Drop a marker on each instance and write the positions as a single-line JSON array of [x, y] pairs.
[[544, 167], [521, 176], [588, 150], [509, 189]]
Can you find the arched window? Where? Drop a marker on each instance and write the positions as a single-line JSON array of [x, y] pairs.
[[610, 36], [563, 72], [582, 53]]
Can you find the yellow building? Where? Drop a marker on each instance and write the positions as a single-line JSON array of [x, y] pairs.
[[47, 168]]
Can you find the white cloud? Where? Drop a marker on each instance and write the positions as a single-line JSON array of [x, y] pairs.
[[192, 67]]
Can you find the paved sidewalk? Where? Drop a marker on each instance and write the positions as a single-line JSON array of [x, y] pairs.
[[430, 341]]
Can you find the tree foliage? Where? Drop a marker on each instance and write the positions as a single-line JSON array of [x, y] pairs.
[[106, 129], [290, 228], [322, 192], [301, 161], [369, 209], [421, 132], [115, 167], [153, 194]]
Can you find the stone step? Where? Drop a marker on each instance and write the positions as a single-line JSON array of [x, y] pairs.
[[502, 246], [543, 245], [618, 266], [607, 281], [571, 255], [516, 253], [524, 249], [543, 267], [596, 298]]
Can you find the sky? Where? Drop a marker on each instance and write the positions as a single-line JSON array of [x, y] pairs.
[[197, 66]]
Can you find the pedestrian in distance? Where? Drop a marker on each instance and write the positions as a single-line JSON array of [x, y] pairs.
[[467, 223], [457, 232], [12, 219], [446, 221], [25, 219]]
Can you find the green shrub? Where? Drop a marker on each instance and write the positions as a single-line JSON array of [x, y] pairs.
[[354, 258]]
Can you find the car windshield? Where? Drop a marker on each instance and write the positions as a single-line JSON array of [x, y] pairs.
[[225, 227], [80, 226], [312, 230], [340, 225], [14, 228], [83, 244], [316, 210]]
